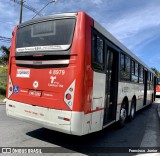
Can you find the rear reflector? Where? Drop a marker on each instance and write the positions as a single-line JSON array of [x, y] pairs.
[[10, 89], [66, 119], [68, 96], [62, 118]]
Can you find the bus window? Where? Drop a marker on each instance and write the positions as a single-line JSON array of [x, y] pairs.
[[134, 71], [133, 68], [122, 63], [98, 52], [140, 74], [125, 68], [47, 35], [158, 81]]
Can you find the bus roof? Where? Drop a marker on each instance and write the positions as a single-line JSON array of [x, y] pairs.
[[50, 17], [110, 37], [99, 27]]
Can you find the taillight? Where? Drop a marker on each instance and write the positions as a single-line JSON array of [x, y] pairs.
[[69, 95], [10, 87], [63, 118]]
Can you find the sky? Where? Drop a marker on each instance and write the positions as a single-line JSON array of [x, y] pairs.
[[135, 23]]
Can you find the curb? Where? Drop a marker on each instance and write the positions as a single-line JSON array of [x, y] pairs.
[[2, 103]]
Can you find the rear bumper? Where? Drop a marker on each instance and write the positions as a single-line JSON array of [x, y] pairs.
[[49, 118], [157, 93]]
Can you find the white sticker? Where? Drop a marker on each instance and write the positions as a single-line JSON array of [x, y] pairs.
[[23, 73]]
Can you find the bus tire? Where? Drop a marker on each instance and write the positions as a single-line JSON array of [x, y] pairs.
[[123, 114], [132, 110]]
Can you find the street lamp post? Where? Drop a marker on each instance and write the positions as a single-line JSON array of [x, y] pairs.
[[44, 7], [20, 15]]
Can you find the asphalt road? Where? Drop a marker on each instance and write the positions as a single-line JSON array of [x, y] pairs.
[[143, 131]]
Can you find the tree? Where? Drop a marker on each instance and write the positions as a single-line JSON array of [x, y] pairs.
[[156, 72], [5, 54]]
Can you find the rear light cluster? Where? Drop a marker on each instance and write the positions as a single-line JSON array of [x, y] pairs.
[[10, 87], [63, 118], [69, 95], [10, 105], [158, 88]]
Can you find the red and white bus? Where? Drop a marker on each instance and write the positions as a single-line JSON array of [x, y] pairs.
[[68, 73], [158, 87]]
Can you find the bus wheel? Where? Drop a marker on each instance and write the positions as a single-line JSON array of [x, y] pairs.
[[123, 115], [132, 110]]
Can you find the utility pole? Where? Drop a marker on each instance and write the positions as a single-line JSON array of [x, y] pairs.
[[20, 15]]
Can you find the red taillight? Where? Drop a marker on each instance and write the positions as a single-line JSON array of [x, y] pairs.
[[62, 118], [66, 119], [10, 89], [68, 96], [158, 88]]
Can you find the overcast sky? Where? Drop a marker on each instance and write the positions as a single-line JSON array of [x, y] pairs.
[[136, 23]]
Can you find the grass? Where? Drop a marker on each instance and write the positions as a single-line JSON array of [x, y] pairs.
[[3, 76], [3, 70]]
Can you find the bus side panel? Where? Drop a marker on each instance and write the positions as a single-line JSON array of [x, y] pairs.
[[98, 101], [12, 50], [124, 90], [88, 78], [84, 86], [84, 78]]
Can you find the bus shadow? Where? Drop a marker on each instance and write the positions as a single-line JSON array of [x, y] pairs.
[[111, 137]]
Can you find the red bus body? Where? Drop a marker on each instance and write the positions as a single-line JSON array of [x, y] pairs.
[[62, 91], [158, 87], [49, 95], [52, 96]]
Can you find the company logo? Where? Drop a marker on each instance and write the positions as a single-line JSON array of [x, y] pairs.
[[6, 150], [35, 84], [23, 73], [53, 78]]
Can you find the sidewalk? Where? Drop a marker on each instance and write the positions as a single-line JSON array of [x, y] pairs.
[[2, 102]]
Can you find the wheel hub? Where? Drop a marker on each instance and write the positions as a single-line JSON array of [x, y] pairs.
[[123, 114]]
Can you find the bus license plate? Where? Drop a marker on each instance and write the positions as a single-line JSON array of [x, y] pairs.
[[35, 93]]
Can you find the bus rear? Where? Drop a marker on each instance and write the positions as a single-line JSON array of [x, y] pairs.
[[158, 87], [46, 72]]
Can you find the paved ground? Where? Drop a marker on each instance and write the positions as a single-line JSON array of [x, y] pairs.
[[143, 131]]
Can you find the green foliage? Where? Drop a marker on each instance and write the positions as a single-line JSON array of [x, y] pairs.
[[5, 54], [3, 86], [156, 72], [3, 70], [3, 79]]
